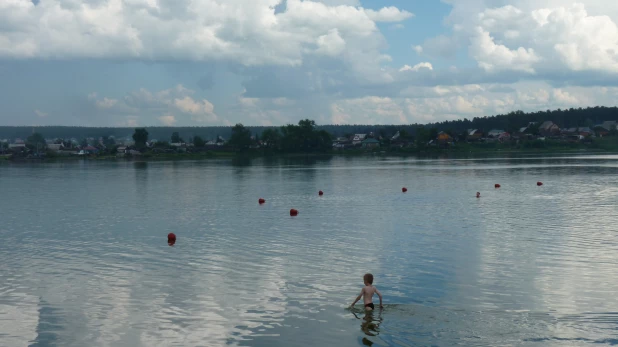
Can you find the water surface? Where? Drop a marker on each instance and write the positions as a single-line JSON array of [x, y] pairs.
[[84, 259]]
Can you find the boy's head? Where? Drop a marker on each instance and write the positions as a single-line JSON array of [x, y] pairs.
[[368, 278]]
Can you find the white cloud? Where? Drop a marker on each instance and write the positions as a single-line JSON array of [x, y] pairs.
[[168, 120], [331, 44], [341, 2], [188, 105], [492, 57], [416, 67], [167, 106], [434, 104], [532, 36], [367, 110], [40, 114], [565, 98], [389, 14], [251, 33], [129, 121], [283, 102], [106, 102], [439, 46], [268, 111]]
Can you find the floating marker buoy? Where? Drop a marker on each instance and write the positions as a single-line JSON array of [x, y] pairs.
[[171, 239], [497, 185], [539, 183], [262, 201], [404, 189], [293, 212], [320, 193], [478, 195]]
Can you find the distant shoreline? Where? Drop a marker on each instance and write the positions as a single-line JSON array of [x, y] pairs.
[[257, 154]]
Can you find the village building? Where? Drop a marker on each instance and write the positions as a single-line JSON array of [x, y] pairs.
[[370, 143], [474, 135], [549, 128]]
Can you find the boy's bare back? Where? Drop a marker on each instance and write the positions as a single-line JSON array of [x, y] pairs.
[[368, 292]]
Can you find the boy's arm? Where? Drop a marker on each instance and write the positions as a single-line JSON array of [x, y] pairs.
[[358, 297], [380, 296]]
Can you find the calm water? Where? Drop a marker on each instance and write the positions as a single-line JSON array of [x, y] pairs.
[[84, 259]]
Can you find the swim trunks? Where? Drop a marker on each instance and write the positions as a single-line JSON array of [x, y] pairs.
[[370, 305]]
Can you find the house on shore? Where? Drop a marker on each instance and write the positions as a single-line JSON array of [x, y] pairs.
[[55, 147], [504, 137], [585, 131], [610, 125], [444, 138], [358, 139], [495, 133], [370, 143], [17, 146], [549, 129], [474, 135]]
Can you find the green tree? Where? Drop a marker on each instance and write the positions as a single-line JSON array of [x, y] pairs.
[[140, 136], [306, 132], [324, 140], [84, 143], [241, 137], [304, 137], [433, 133], [534, 128], [176, 138], [199, 142], [271, 137], [422, 136], [36, 141], [109, 141]]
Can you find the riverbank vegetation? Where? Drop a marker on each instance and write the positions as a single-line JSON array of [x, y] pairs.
[[592, 129]]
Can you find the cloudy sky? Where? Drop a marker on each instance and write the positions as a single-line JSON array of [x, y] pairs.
[[272, 62]]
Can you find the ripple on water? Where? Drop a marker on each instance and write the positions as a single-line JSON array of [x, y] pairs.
[[523, 265]]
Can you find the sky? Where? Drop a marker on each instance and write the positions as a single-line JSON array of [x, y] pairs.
[[274, 62]]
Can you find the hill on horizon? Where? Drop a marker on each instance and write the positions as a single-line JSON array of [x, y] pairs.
[[581, 117]]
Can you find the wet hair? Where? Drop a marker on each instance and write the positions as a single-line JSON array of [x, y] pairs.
[[368, 278]]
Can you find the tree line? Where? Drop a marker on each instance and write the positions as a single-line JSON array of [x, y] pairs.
[[511, 122], [304, 137]]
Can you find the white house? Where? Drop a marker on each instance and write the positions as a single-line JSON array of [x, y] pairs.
[[358, 138]]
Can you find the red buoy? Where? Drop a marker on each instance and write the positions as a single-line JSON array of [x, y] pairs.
[[478, 194], [293, 212], [497, 185], [404, 189], [171, 239], [262, 201], [320, 193], [539, 183]]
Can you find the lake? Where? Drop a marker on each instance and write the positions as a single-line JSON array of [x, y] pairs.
[[84, 258]]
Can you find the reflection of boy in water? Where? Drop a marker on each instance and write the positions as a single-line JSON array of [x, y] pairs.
[[367, 293], [370, 326]]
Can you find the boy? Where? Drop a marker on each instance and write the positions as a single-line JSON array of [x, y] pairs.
[[367, 293]]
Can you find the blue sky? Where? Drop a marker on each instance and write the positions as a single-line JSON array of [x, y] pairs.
[[272, 62]]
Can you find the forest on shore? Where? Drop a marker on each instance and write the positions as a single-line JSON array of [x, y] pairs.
[[567, 118]]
